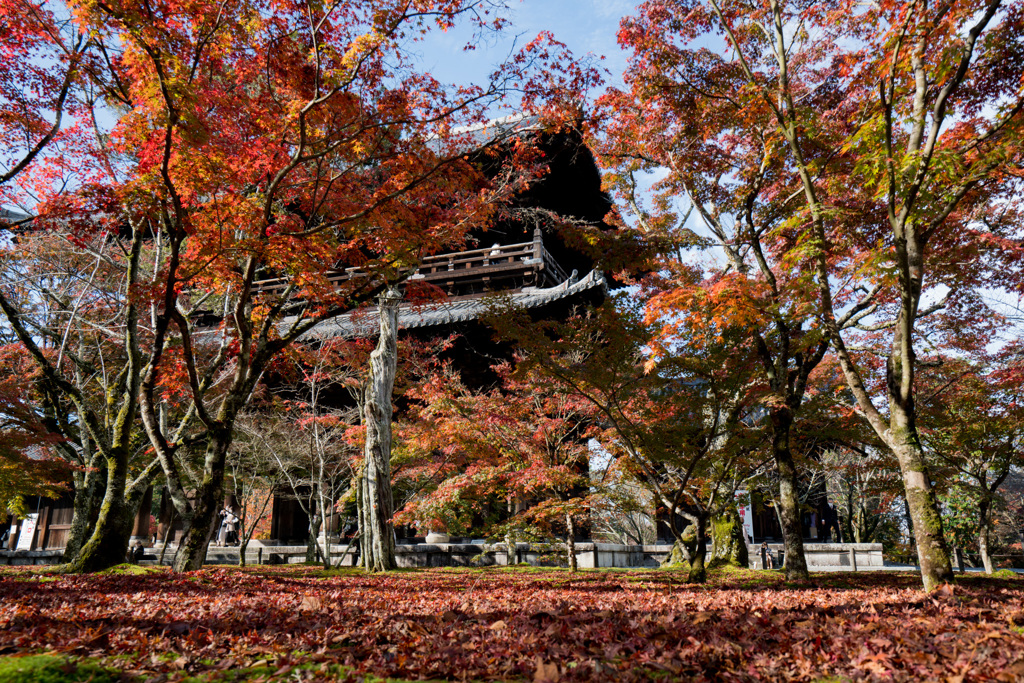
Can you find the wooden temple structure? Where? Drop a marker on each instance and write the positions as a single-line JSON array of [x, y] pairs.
[[524, 260]]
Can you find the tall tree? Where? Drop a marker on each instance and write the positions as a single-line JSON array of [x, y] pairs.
[[261, 149], [906, 172], [725, 165]]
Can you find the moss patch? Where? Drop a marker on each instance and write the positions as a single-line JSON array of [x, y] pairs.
[[264, 673], [51, 669], [130, 569]]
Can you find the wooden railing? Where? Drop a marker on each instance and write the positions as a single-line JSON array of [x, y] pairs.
[[523, 261]]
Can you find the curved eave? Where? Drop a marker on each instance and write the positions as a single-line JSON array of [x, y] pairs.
[[364, 323]]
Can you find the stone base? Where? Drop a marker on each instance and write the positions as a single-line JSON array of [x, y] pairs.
[[30, 557]]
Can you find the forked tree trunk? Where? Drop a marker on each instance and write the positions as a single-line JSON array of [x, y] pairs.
[[209, 498], [378, 538], [728, 544], [108, 544], [89, 493]]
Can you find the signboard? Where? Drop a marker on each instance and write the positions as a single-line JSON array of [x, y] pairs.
[[28, 530], [746, 514]]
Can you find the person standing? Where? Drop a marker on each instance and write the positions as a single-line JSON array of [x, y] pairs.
[[767, 562], [222, 532], [231, 520]]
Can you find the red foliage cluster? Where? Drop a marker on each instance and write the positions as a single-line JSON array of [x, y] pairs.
[[538, 625]]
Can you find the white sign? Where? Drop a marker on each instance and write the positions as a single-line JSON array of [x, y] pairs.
[[746, 514], [28, 530]]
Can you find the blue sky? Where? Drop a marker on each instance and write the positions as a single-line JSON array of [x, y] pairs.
[[586, 26]]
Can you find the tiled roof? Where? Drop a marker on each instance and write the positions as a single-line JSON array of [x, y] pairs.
[[495, 130], [364, 323]]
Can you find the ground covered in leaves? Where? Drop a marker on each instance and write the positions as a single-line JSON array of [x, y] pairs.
[[507, 624]]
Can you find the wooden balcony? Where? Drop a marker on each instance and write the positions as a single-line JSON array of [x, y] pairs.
[[508, 266]]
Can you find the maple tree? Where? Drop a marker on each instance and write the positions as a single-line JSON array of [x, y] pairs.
[[519, 445], [899, 134], [28, 464], [677, 426], [44, 51], [726, 166], [253, 141], [973, 427], [61, 297]]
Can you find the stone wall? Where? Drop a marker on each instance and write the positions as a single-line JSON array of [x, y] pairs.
[[828, 556], [820, 556]]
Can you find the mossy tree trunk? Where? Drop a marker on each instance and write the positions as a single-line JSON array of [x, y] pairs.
[[683, 548], [728, 545], [209, 498], [108, 544], [698, 569], [90, 487]]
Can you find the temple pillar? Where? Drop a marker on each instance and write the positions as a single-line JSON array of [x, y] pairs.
[[141, 531]]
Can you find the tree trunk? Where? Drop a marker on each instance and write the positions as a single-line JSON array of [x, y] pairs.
[[209, 498], [570, 542], [983, 535], [789, 505], [728, 546], [108, 544], [326, 526], [932, 552], [510, 543], [379, 540], [89, 492], [698, 570], [312, 544], [360, 486]]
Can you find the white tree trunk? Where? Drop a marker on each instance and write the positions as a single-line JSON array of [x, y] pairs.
[[379, 539]]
